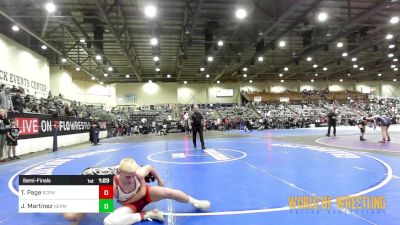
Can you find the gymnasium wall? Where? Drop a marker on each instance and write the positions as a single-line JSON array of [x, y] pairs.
[[206, 93], [213, 89], [381, 88], [390, 89], [192, 93], [146, 93], [22, 67], [78, 87], [160, 93]]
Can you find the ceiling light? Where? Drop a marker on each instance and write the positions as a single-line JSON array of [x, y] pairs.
[[339, 44], [341, 80], [98, 57], [280, 75], [207, 75], [390, 55], [395, 60], [282, 81], [286, 68], [260, 58], [312, 80], [325, 69], [389, 36], [394, 79], [77, 68], [344, 54], [157, 69], [322, 16], [393, 66], [210, 58], [315, 66], [354, 59], [379, 74], [309, 58], [202, 69], [241, 14], [15, 28], [63, 60], [106, 75], [101, 82], [220, 43], [244, 75], [44, 47], [150, 81], [282, 44], [168, 76], [395, 69], [218, 81], [244, 68], [156, 58], [316, 74], [185, 82], [154, 41], [394, 20], [127, 76], [82, 40], [150, 11], [355, 66], [93, 78], [50, 7], [110, 68], [348, 74], [392, 46], [250, 81], [361, 68]]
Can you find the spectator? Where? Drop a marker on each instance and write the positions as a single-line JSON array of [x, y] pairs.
[[17, 101], [12, 137], [5, 99], [67, 110], [332, 119], [14, 89], [94, 132], [4, 124]]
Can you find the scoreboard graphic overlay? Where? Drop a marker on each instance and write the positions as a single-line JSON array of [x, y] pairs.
[[65, 193]]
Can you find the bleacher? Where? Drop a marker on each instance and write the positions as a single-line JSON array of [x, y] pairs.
[[295, 96]]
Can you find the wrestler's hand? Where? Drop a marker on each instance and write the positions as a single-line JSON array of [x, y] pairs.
[[161, 183]]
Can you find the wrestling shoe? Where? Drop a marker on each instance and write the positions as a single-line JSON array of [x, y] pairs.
[[154, 215], [202, 204]]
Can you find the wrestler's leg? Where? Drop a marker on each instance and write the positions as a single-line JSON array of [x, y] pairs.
[[158, 193]]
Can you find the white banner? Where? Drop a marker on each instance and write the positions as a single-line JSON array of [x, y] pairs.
[[366, 90], [284, 99], [257, 98], [225, 93]]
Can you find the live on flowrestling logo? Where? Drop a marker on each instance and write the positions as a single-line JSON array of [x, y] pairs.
[[346, 203]]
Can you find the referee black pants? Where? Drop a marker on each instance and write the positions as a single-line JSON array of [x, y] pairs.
[[333, 124], [199, 129]]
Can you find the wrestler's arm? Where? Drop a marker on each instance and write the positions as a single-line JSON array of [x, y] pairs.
[[372, 119], [142, 172], [116, 193]]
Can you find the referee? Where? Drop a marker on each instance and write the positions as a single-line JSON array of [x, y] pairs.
[[332, 119], [197, 123]]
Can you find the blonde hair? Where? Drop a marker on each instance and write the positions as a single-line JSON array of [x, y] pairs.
[[128, 165]]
